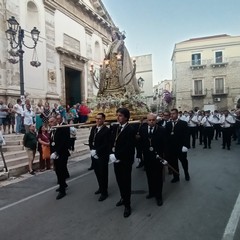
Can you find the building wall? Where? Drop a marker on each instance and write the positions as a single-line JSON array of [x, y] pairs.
[[62, 25], [184, 73], [144, 70]]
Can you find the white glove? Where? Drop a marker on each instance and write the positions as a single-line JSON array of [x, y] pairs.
[[93, 152], [184, 149], [54, 156], [164, 162], [112, 158]]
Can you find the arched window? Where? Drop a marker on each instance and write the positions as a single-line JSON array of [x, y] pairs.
[[32, 16], [97, 53]]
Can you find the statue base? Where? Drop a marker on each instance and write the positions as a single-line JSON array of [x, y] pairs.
[[109, 105]]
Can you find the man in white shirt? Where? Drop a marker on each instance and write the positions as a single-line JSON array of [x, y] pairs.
[[192, 121], [184, 116], [200, 116], [19, 115], [208, 131], [28, 115], [226, 121], [217, 126]]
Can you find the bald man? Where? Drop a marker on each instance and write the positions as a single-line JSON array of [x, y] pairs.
[[152, 138]]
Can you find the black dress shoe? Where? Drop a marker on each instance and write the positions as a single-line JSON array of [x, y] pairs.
[[60, 195], [187, 177], [141, 164], [58, 189], [102, 197], [91, 168], [127, 212], [159, 201], [209, 147], [119, 203], [174, 180], [204, 147], [97, 192], [149, 196]]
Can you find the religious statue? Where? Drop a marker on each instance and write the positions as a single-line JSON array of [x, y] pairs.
[[117, 83], [117, 75]]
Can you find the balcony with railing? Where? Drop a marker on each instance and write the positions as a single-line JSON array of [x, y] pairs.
[[199, 93], [198, 64], [219, 62], [220, 91]]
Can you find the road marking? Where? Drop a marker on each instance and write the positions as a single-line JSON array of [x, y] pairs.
[[40, 193], [232, 222]]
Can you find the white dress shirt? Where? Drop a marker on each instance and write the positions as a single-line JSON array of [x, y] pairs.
[[28, 117], [192, 121], [226, 121], [206, 121]]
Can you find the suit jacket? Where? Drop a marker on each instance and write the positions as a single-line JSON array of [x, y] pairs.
[[61, 137], [157, 140], [180, 137], [101, 141], [125, 143]]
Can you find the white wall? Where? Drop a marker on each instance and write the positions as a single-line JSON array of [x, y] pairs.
[[144, 70]]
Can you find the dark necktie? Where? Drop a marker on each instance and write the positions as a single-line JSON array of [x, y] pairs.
[[151, 131], [120, 128]]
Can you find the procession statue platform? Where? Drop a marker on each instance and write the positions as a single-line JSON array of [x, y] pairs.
[[116, 82]]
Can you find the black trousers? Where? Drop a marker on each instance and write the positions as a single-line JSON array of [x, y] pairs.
[[100, 167], [192, 133], [72, 143], [217, 128], [227, 133], [200, 130], [61, 171], [154, 172], [123, 172], [173, 161], [207, 136]]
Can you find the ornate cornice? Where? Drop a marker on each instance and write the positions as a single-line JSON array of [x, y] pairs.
[[71, 54], [88, 30], [105, 41], [78, 4]]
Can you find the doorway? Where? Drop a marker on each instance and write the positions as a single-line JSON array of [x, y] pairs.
[[72, 86]]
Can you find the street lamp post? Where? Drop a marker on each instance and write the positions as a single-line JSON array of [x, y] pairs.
[[15, 36]]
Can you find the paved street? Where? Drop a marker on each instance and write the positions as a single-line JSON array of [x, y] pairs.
[[195, 210]]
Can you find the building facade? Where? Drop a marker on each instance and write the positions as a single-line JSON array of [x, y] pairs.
[[162, 95], [206, 73], [73, 35], [144, 75]]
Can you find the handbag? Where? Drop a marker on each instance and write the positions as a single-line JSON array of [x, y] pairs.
[[45, 152]]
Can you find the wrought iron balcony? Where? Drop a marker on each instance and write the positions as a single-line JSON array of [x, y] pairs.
[[198, 64], [220, 91], [219, 62], [199, 93]]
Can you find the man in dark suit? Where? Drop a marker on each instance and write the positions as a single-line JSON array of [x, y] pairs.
[[99, 143], [122, 154], [178, 144], [152, 139], [59, 145]]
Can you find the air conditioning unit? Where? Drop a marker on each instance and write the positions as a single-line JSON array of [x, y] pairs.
[[217, 99]]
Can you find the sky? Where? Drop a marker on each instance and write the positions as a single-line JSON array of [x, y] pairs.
[[154, 26]]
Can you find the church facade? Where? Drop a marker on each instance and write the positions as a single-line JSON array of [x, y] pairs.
[[73, 35]]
